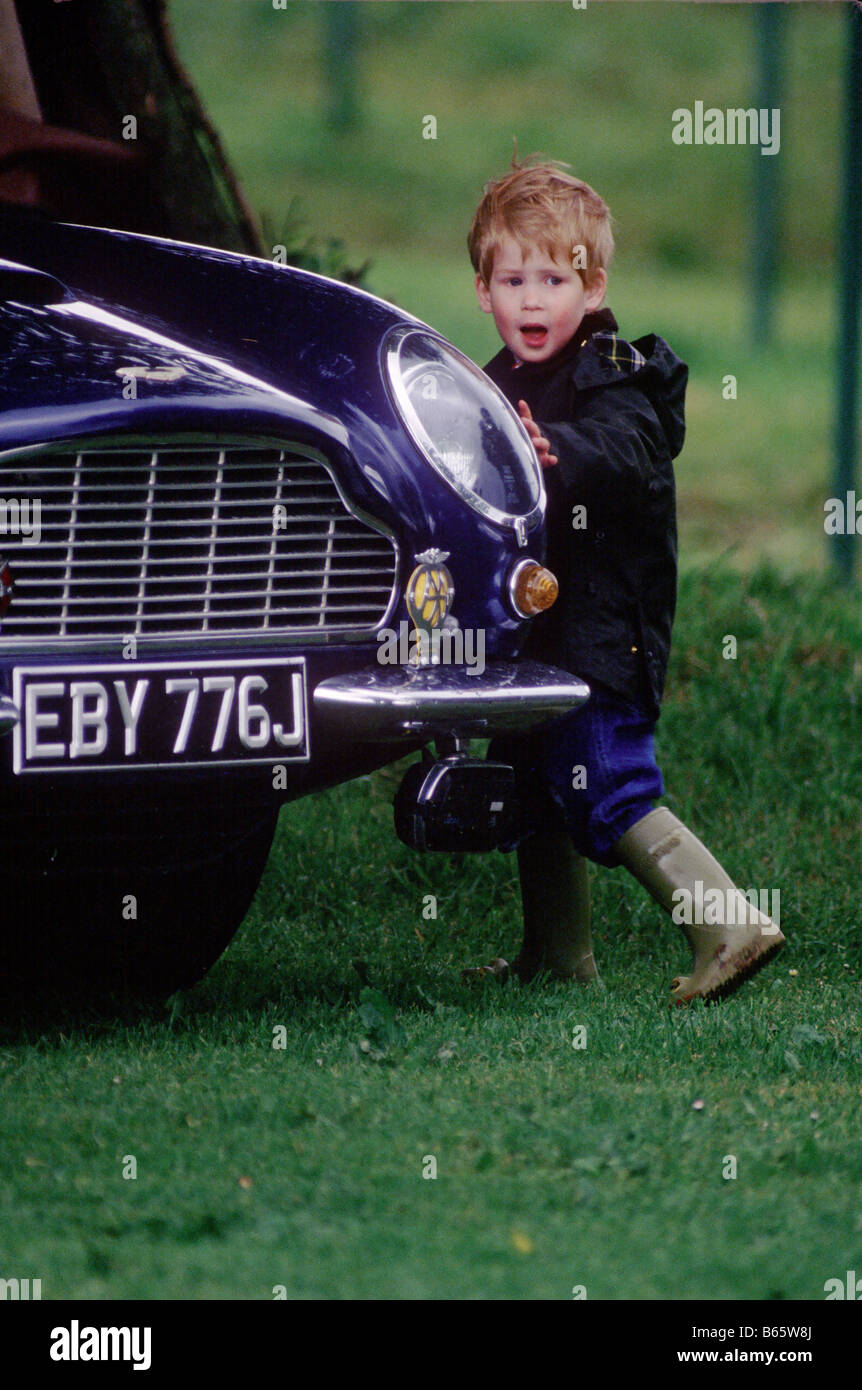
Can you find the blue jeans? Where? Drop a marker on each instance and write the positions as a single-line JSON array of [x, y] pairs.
[[592, 772]]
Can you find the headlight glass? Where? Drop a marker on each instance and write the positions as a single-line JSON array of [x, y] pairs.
[[464, 426]]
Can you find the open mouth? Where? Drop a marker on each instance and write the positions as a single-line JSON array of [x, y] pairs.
[[534, 334]]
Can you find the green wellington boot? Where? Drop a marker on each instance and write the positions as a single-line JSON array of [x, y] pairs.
[[555, 894], [666, 857]]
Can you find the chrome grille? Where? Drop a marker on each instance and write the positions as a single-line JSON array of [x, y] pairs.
[[184, 540]]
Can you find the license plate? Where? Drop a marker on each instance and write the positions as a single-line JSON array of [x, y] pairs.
[[160, 714]]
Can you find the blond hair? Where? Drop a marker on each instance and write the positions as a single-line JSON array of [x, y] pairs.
[[540, 205]]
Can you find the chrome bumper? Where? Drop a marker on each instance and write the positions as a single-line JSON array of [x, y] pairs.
[[403, 703]]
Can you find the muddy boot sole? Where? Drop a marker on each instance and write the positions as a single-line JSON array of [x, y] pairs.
[[724, 975]]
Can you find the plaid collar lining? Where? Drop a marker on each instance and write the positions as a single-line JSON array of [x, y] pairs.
[[624, 356]]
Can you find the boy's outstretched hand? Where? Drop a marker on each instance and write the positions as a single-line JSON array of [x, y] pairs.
[[540, 443]]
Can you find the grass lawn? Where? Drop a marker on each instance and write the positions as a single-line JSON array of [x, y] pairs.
[[301, 1165]]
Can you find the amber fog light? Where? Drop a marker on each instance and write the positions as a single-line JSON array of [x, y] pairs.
[[532, 588]]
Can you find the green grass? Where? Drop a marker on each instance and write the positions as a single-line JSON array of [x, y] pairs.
[[596, 88], [556, 1166]]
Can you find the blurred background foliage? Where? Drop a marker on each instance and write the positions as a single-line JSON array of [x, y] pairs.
[[597, 88]]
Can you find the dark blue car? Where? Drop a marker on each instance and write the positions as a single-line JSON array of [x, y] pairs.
[[260, 533]]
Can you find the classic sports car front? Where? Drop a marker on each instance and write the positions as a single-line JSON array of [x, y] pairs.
[[260, 533], [256, 527]]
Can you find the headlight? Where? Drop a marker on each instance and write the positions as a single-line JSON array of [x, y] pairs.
[[465, 427]]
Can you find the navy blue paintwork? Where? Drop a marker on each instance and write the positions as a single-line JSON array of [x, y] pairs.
[[266, 351], [102, 808]]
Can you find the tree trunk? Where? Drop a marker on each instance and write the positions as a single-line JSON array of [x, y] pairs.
[[107, 69]]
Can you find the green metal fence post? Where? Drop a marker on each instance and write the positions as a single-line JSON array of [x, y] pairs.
[[850, 254], [341, 46], [769, 19]]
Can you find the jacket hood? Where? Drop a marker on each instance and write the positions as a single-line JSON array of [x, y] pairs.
[[663, 378], [648, 363]]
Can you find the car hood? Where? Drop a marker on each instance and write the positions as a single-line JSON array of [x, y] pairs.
[[81, 360], [234, 322]]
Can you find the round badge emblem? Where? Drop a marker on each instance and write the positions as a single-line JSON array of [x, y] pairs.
[[430, 590]]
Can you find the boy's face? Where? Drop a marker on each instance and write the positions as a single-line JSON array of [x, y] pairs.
[[537, 301]]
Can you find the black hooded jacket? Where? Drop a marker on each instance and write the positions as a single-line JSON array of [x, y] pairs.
[[614, 415]]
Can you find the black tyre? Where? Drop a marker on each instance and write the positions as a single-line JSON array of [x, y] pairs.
[[146, 915]]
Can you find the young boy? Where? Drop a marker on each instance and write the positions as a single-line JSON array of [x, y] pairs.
[[606, 418]]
